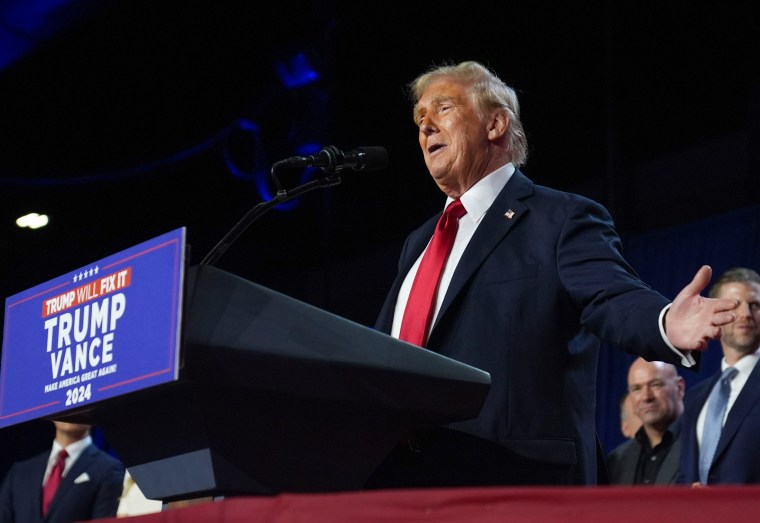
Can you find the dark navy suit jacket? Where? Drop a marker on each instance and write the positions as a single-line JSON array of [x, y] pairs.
[[541, 281], [97, 497], [737, 457]]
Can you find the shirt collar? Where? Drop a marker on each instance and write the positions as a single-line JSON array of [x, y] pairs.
[[745, 364], [667, 437], [479, 198], [73, 449]]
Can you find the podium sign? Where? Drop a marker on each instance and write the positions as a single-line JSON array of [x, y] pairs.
[[107, 329]]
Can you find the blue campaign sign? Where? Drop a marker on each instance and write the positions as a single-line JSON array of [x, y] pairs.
[[106, 329]]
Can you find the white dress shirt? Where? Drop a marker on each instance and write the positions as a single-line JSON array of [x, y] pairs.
[[476, 201], [74, 450]]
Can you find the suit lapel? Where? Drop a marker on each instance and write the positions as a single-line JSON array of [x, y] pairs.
[[32, 479], [504, 213], [742, 407], [700, 398], [668, 472], [79, 466], [417, 244], [629, 461], [696, 399], [413, 247]]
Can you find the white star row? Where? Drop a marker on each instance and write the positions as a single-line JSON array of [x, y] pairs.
[[87, 273]]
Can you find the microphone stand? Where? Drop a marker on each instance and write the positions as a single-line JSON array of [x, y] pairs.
[[259, 209]]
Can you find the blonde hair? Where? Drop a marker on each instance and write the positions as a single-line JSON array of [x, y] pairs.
[[489, 92]]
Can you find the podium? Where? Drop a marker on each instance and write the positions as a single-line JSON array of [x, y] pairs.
[[275, 395]]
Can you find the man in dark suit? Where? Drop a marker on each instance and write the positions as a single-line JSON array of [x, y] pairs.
[[737, 456], [534, 279], [651, 456], [90, 487]]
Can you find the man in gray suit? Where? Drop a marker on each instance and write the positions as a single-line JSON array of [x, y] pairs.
[[651, 456]]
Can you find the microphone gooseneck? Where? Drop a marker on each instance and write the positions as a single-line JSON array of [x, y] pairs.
[[330, 159]]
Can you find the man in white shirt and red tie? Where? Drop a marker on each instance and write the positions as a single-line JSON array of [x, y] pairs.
[[534, 279], [74, 481]]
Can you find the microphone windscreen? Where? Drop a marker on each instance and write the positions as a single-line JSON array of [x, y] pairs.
[[374, 157]]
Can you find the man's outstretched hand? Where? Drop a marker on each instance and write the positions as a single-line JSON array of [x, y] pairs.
[[693, 320]]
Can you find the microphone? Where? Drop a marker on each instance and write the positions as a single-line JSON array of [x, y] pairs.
[[333, 160]]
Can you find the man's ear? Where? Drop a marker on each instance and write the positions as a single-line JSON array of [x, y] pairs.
[[498, 125]]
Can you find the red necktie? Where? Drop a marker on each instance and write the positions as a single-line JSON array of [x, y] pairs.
[[51, 485], [422, 298]]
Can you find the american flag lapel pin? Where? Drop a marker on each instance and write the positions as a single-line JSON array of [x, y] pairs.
[[509, 214]]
